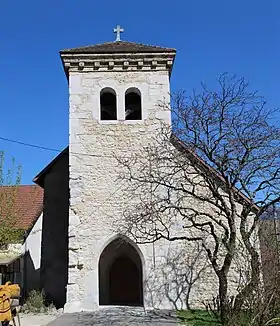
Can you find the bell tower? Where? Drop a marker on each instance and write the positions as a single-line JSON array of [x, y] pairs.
[[115, 92]]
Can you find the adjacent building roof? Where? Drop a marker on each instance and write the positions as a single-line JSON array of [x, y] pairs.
[[7, 259], [40, 177], [26, 204], [273, 213], [119, 47], [179, 144]]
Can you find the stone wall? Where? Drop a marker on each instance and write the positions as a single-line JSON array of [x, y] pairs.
[[96, 200], [97, 197]]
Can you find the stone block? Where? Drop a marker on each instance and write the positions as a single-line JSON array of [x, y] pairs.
[[72, 292], [74, 275], [73, 257], [74, 220], [74, 243]]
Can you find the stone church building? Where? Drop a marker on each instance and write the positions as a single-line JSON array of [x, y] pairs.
[[114, 93]]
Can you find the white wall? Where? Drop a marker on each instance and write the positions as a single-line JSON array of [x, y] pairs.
[[33, 243], [32, 257]]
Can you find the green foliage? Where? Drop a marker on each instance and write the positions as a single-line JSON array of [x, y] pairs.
[[205, 318], [12, 175], [273, 321], [10, 178], [36, 302], [198, 318], [10, 235]]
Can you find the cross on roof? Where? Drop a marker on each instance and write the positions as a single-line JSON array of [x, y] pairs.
[[118, 31]]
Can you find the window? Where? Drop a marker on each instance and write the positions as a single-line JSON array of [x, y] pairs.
[[108, 104], [133, 110]]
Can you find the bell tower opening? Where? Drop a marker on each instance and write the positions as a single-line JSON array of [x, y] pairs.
[[120, 275], [108, 104], [133, 110]]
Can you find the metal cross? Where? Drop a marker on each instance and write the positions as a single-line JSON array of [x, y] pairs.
[[118, 30]]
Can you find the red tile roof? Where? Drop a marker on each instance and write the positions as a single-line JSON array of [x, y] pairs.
[[27, 204]]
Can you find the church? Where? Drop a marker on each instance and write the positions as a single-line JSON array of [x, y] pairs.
[[114, 93]]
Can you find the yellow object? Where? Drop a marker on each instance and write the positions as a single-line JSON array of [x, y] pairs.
[[7, 293]]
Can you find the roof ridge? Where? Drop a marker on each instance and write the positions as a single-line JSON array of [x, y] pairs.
[[118, 47]]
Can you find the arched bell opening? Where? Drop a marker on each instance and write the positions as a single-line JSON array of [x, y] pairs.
[[108, 104], [133, 106]]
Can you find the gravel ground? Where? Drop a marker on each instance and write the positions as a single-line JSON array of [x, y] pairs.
[[36, 320], [121, 316]]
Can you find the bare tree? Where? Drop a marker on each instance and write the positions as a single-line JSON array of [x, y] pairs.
[[217, 171], [9, 182], [263, 302]]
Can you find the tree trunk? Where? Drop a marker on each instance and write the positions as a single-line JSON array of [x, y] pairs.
[[255, 265], [223, 289], [188, 298], [253, 284]]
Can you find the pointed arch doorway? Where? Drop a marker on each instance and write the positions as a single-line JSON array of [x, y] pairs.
[[120, 274]]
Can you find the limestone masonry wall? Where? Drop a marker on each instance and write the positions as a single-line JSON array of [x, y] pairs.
[[96, 200], [96, 196]]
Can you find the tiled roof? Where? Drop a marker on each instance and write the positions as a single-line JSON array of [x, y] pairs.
[[26, 204], [179, 144], [119, 47]]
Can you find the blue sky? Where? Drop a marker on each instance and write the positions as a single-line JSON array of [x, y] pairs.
[[212, 37]]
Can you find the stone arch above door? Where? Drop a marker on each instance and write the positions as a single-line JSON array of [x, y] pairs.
[[120, 274]]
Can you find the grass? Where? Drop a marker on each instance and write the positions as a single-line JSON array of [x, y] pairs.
[[197, 318], [204, 318]]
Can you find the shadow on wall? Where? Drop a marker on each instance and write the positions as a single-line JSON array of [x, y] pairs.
[[176, 275], [54, 253], [31, 276]]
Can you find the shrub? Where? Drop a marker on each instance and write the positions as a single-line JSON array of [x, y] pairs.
[[36, 302], [274, 321]]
